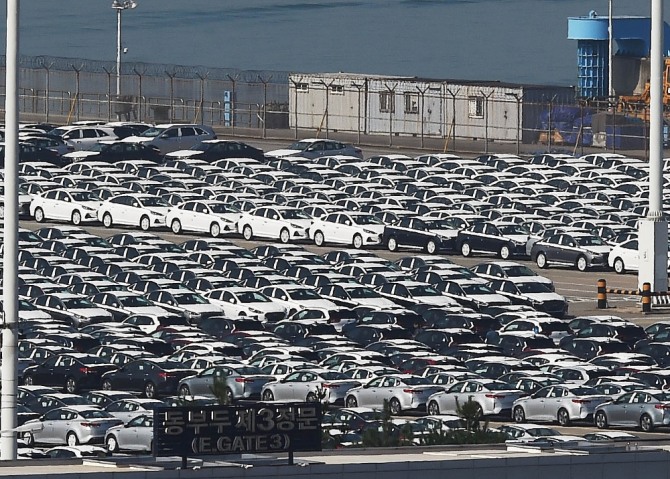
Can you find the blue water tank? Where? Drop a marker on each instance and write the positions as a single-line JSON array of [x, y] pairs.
[[593, 75]]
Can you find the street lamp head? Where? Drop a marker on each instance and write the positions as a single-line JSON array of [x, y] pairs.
[[123, 4]]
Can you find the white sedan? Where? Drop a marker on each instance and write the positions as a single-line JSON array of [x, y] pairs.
[[75, 205], [213, 217], [357, 229], [246, 302], [287, 224], [624, 257], [145, 211]]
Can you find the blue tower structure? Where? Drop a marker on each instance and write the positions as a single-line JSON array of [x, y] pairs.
[[631, 43]]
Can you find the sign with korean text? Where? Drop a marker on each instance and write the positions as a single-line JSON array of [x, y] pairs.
[[205, 430]]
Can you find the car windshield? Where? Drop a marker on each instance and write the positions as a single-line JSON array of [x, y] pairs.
[[359, 293], [294, 214], [97, 147], [300, 145], [152, 132], [423, 291], [417, 381], [519, 270], [513, 230], [189, 298], [584, 391], [222, 208], [95, 414], [496, 386], [590, 241], [438, 225], [303, 294], [332, 376], [476, 289], [84, 196], [151, 202], [252, 297], [542, 431], [662, 397], [78, 303], [135, 301], [247, 370], [533, 287], [367, 220]]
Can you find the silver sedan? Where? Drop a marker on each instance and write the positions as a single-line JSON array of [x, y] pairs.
[[69, 425], [561, 403], [309, 385], [492, 397], [242, 382], [137, 435], [402, 391], [645, 409]]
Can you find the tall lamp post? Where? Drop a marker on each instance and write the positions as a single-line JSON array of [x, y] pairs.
[[120, 6]]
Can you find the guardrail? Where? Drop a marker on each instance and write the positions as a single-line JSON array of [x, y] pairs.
[[645, 293]]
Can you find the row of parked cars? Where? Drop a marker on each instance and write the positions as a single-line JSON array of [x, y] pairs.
[[110, 328]]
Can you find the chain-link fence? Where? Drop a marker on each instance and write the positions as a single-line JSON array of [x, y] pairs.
[[256, 101]]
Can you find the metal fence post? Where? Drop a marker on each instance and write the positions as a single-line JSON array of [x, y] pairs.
[[391, 109], [422, 94], [139, 95], [265, 101], [453, 119], [76, 93], [486, 119], [358, 87], [171, 76]]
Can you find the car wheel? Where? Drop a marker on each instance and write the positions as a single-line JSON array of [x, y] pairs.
[[433, 408], [29, 439], [150, 390], [39, 215], [268, 395], [112, 444], [351, 401], [71, 439], [619, 267], [582, 264], [145, 223], [505, 252], [392, 244], [465, 249], [176, 226], [358, 241], [563, 417], [71, 385], [215, 230], [601, 420], [184, 390], [431, 247], [284, 236], [311, 397], [28, 380], [247, 233], [107, 220], [319, 239], [394, 407], [106, 385], [76, 218], [646, 424], [519, 415], [541, 260]]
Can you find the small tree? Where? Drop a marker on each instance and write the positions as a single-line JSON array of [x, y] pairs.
[[221, 391], [471, 413]]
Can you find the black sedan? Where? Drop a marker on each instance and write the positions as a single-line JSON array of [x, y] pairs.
[[73, 372], [505, 240], [431, 234], [153, 378], [212, 150], [111, 151], [582, 250]]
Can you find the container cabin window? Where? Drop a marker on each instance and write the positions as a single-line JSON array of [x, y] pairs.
[[476, 107], [302, 87], [386, 102], [337, 89], [411, 103]]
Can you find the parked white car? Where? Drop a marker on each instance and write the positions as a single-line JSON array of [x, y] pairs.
[[624, 257], [357, 229], [213, 217], [145, 211], [74, 205], [287, 224], [246, 302]]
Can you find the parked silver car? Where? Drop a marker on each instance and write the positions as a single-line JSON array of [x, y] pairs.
[[308, 385], [69, 425], [173, 136], [561, 403], [136, 435], [492, 397], [402, 391], [242, 382], [645, 409]]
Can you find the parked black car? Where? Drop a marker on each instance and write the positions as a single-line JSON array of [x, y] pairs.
[[72, 372], [153, 378], [426, 233], [213, 150], [505, 240]]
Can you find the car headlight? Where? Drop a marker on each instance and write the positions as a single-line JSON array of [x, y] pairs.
[[369, 232], [295, 226]]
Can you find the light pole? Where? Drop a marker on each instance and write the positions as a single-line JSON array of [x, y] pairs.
[[120, 6]]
